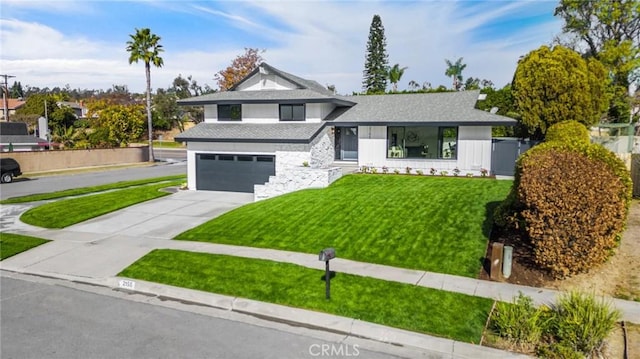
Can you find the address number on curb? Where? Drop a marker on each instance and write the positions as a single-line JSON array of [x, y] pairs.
[[128, 284]]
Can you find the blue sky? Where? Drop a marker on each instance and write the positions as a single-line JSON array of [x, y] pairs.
[[82, 43]]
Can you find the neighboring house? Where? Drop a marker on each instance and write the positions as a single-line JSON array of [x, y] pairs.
[[274, 132], [12, 105], [14, 136], [78, 108]]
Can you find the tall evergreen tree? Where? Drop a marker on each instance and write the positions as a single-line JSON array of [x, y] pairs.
[[376, 62]]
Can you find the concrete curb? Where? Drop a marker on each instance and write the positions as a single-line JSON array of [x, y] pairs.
[[349, 327], [311, 319]]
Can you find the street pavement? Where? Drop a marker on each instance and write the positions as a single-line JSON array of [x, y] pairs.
[[50, 318], [95, 251]]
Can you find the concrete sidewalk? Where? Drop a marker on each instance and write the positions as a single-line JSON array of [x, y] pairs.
[[97, 250]]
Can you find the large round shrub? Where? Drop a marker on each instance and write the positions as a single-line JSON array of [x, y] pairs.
[[572, 199], [574, 208]]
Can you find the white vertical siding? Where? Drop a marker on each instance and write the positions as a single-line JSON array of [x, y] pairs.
[[191, 168], [474, 148], [372, 145]]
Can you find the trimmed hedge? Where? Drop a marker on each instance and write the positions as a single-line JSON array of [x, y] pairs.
[[571, 198], [572, 132], [574, 210]]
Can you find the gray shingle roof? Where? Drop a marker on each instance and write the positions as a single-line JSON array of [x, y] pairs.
[[264, 96], [283, 132], [5, 140], [454, 108], [308, 91]]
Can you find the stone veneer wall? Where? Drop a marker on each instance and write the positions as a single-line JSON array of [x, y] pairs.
[[291, 175], [295, 179]]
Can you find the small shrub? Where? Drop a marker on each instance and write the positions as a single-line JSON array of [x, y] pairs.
[[582, 322], [568, 132], [419, 172], [519, 322], [374, 170], [364, 169], [469, 174], [385, 169], [433, 171], [396, 171], [456, 171], [443, 173], [305, 164], [558, 351], [574, 327], [484, 172], [408, 170]]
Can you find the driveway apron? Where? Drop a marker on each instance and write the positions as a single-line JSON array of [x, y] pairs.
[[104, 246]]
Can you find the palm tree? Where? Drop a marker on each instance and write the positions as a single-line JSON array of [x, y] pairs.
[[395, 74], [145, 46], [455, 71]]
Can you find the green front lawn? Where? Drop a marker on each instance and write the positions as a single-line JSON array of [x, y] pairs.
[[452, 315], [70, 211], [12, 244], [438, 224], [87, 190]]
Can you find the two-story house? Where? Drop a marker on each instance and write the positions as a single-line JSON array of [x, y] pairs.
[[275, 132]]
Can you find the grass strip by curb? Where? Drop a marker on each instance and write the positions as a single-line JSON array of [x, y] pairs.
[[436, 224], [87, 190], [446, 314], [70, 211], [12, 244]]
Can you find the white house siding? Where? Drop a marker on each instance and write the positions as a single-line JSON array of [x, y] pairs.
[[315, 112], [372, 146], [474, 152], [265, 82], [210, 113], [260, 113], [270, 112], [474, 149]]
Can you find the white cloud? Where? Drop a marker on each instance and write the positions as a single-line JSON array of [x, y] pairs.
[[324, 41]]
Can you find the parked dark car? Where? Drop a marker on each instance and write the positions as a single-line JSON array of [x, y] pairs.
[[9, 168]]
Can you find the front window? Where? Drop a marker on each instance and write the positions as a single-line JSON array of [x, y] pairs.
[[292, 112], [425, 142], [229, 112]]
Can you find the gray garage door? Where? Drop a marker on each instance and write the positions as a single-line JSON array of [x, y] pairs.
[[234, 173]]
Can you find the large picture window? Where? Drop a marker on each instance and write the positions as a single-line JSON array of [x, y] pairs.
[[292, 112], [422, 142], [230, 112]]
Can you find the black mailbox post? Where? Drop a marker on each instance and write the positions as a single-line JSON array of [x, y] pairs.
[[326, 255]]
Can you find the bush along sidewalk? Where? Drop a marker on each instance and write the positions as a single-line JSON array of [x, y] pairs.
[[576, 326]]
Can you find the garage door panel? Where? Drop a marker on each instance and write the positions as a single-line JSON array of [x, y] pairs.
[[237, 173]]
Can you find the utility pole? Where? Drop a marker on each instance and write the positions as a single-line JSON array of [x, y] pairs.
[[5, 96]]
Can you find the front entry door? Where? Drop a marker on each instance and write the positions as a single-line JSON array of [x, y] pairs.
[[346, 143]]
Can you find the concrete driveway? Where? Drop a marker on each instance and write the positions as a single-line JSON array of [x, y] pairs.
[[103, 246], [165, 217]]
